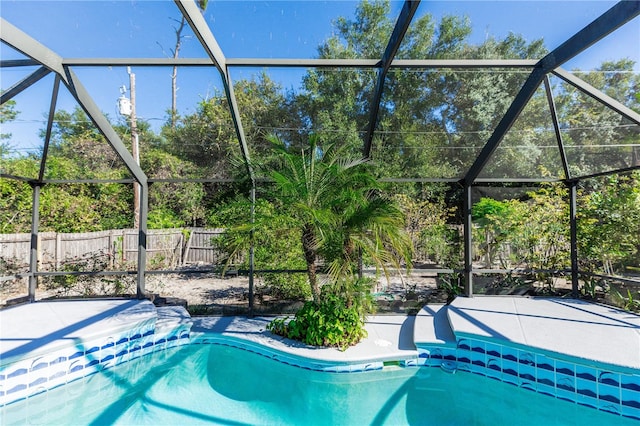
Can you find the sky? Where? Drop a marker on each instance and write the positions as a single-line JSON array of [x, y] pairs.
[[266, 29]]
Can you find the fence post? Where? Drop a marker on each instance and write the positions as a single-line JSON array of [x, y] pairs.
[[177, 258], [124, 246], [112, 249], [188, 248], [58, 250]]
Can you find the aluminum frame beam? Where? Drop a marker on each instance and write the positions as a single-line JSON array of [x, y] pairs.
[[609, 173], [23, 84], [237, 124], [556, 127], [615, 17], [402, 25], [142, 241], [47, 137], [30, 47], [33, 244], [138, 62], [95, 114], [376, 63], [467, 204], [9, 63], [573, 231], [301, 63], [196, 21], [15, 177], [522, 98], [596, 94], [618, 15], [477, 182]]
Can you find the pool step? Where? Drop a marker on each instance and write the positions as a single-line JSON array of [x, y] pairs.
[[432, 327], [173, 325]]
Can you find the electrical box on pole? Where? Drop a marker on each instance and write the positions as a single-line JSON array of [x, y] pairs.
[[124, 104]]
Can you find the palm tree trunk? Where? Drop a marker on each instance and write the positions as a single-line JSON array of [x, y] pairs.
[[310, 255]]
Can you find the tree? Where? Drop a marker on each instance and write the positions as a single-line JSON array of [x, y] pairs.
[[334, 201], [431, 123], [202, 4], [609, 224], [536, 230], [7, 113], [78, 150], [594, 133], [276, 243], [16, 195], [208, 138]]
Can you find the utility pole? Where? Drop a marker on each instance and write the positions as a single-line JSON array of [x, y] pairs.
[[134, 148]]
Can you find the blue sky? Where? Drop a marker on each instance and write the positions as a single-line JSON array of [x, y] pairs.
[[281, 29]]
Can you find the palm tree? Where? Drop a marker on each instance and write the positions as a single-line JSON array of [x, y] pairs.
[[335, 200]]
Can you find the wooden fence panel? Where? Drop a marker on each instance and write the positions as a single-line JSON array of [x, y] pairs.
[[15, 247], [74, 247], [166, 248], [200, 249]]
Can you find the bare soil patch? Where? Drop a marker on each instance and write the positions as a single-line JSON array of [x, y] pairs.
[[208, 293]]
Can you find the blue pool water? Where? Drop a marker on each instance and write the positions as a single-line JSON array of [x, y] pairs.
[[214, 384]]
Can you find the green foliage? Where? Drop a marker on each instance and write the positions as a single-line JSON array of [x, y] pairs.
[[498, 222], [609, 225], [332, 199], [276, 244], [533, 233], [628, 301], [600, 132], [450, 284], [334, 320], [593, 285], [427, 223], [163, 219], [15, 206], [207, 137], [487, 208], [7, 113], [287, 286], [180, 204]]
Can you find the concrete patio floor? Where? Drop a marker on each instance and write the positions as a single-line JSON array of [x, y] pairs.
[[565, 326]]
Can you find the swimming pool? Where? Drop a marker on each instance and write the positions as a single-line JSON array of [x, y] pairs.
[[218, 384]]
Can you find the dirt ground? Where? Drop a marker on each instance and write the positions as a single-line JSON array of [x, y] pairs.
[[210, 294], [206, 293]]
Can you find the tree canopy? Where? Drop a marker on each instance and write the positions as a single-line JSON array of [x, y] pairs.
[[432, 124]]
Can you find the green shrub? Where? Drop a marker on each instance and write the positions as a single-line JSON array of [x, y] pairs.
[[288, 286], [336, 320]]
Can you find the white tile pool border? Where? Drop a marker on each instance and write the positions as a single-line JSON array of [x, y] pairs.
[[604, 388], [36, 374]]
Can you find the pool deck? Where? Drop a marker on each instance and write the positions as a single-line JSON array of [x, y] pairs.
[[574, 328], [565, 326]]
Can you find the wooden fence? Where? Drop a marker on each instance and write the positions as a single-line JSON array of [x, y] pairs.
[[165, 248]]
